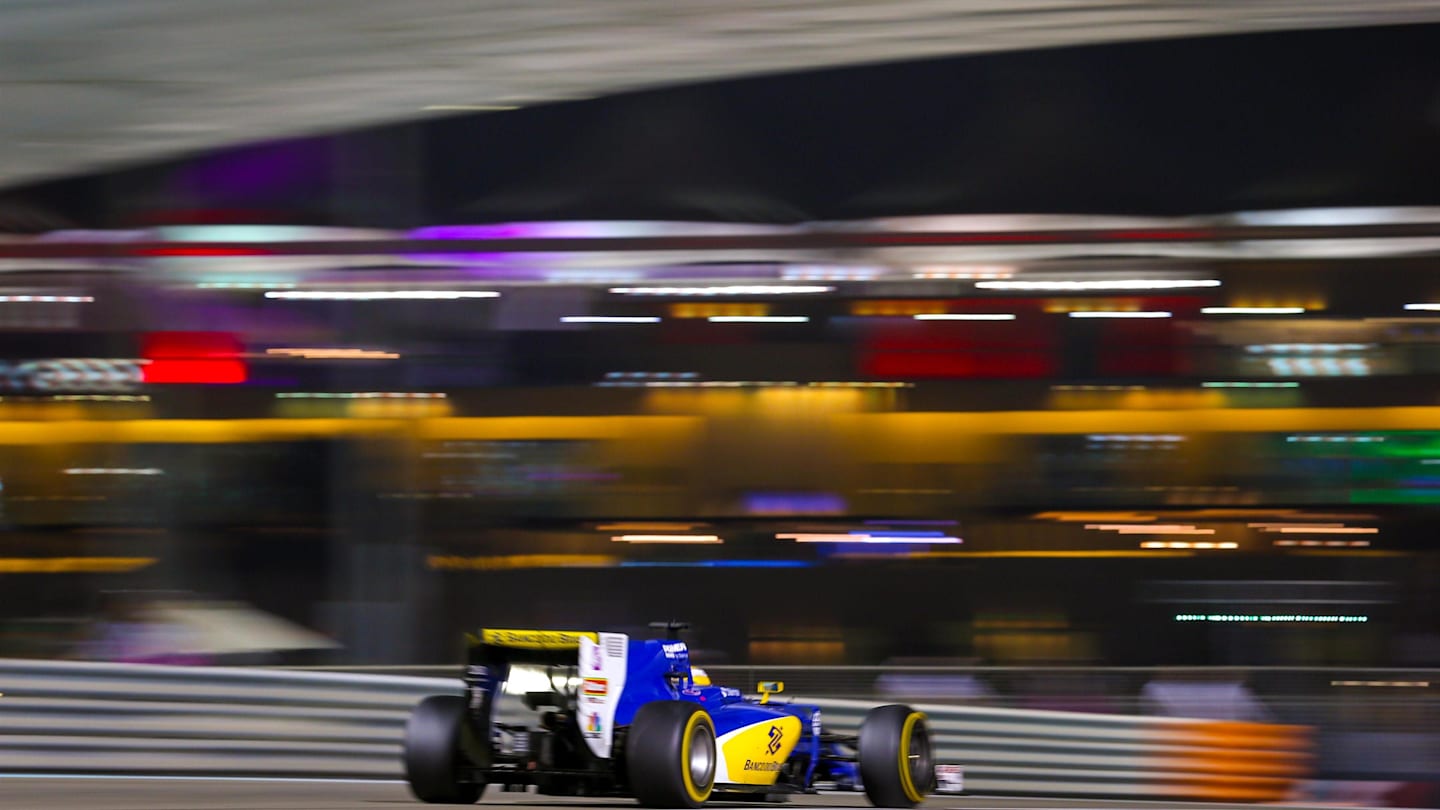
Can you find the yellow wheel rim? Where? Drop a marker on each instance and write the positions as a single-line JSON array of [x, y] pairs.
[[907, 780], [697, 793]]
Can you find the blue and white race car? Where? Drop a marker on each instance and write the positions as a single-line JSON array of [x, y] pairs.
[[628, 717]]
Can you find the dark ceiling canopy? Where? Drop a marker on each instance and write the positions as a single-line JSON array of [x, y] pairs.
[[1315, 118]]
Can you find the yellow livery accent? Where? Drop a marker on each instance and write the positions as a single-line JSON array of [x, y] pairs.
[[907, 781], [537, 639], [768, 688], [697, 793], [755, 753]]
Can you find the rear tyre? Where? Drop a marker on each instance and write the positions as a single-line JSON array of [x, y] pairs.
[[897, 763], [671, 755], [434, 752]]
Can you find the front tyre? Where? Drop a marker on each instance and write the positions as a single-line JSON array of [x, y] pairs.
[[671, 755], [897, 763], [434, 743]]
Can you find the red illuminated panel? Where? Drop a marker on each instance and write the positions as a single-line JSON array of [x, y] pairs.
[[1013, 350], [1139, 349], [192, 358], [998, 365]]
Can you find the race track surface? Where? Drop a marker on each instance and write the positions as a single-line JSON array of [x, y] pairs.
[[160, 793]]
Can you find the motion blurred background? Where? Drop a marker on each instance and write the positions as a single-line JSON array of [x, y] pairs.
[[1076, 355], [1078, 336]]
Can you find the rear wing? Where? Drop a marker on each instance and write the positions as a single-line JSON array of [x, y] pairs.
[[491, 654], [555, 647], [593, 665]]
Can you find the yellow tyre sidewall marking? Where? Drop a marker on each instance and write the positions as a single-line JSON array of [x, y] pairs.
[[694, 791], [907, 782]]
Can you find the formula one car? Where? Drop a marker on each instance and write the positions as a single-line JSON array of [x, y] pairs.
[[627, 717]]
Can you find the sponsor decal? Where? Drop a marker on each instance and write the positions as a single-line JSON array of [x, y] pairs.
[[950, 778], [726, 691], [596, 661], [535, 639], [477, 686], [674, 649], [595, 687], [756, 754], [592, 724]]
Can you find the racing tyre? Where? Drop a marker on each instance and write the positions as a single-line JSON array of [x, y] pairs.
[[434, 751], [897, 762], [671, 754]]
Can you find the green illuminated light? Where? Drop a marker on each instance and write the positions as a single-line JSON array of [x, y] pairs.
[[1287, 384]]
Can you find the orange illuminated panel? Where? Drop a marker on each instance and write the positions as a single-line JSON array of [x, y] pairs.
[[705, 309], [1060, 306], [192, 358], [868, 308]]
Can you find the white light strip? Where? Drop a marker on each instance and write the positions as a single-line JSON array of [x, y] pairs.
[[1423, 307], [1101, 284], [1323, 530], [334, 354], [1253, 310], [1146, 528], [963, 272], [46, 299], [727, 289], [1181, 544], [1115, 527], [114, 471], [758, 319], [821, 273], [1320, 366], [1107, 314], [883, 540], [859, 384], [379, 295], [806, 537], [1164, 530], [469, 107], [610, 319], [964, 316], [1306, 348], [684, 539], [1286, 384], [1285, 618], [96, 398]]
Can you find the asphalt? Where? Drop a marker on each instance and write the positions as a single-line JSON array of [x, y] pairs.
[[166, 793]]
